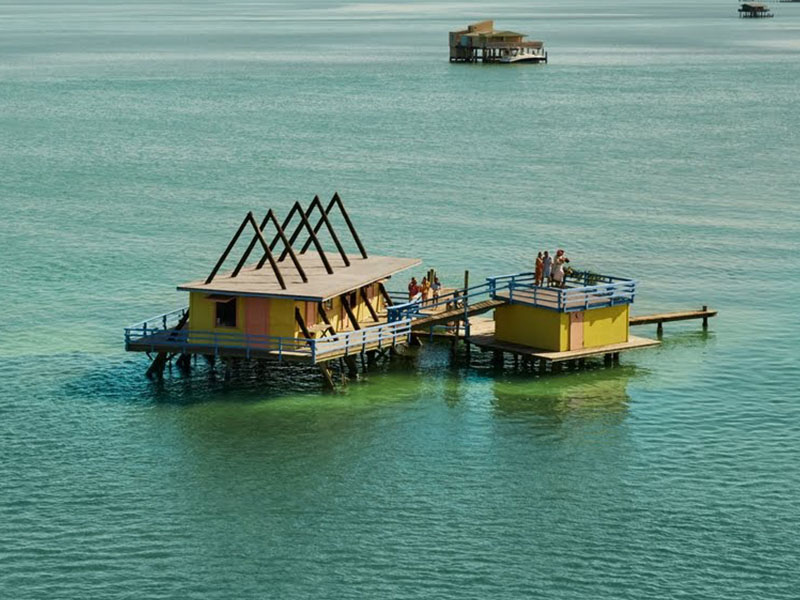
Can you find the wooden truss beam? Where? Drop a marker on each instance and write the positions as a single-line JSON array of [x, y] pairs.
[[324, 314], [386, 297], [300, 321], [349, 310], [225, 254], [304, 224], [323, 220], [350, 225], [371, 309], [265, 246], [270, 217]]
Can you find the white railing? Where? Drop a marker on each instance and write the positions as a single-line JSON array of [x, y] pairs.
[[159, 332]]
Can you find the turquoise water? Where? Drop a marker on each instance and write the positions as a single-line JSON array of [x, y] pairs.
[[660, 142]]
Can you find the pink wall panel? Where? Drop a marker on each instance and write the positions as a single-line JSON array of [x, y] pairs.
[[576, 330], [256, 316], [311, 313]]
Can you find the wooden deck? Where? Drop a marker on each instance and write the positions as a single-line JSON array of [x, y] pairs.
[[153, 346], [488, 342], [319, 350], [455, 314]]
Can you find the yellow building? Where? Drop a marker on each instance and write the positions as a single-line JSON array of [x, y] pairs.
[[292, 301], [589, 312]]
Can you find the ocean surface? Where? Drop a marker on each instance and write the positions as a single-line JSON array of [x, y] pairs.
[[661, 142]]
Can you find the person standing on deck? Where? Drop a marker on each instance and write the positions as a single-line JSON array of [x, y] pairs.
[[425, 289], [537, 276], [413, 289], [558, 268], [547, 263], [436, 288]]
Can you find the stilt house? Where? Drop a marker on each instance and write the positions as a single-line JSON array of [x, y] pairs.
[[287, 296], [754, 10], [481, 41], [590, 312]]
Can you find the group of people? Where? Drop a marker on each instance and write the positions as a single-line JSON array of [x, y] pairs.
[[425, 289], [550, 270]]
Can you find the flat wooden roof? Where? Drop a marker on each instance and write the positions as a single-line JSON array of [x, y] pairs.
[[320, 286]]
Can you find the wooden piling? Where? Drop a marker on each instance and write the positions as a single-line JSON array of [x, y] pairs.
[[352, 367], [157, 366], [184, 362], [327, 378]]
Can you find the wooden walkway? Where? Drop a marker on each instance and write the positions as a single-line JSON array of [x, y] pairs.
[[686, 315], [455, 314]]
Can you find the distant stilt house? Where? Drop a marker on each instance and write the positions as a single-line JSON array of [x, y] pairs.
[[754, 10], [481, 42]]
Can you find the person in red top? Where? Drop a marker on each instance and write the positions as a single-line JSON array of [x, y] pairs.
[[413, 288]]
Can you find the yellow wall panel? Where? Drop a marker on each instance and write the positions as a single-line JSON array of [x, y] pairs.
[[203, 317], [281, 318], [531, 326], [201, 312], [603, 326]]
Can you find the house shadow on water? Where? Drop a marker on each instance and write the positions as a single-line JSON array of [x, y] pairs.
[[589, 394], [421, 373]]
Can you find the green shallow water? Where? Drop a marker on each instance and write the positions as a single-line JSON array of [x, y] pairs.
[[660, 143]]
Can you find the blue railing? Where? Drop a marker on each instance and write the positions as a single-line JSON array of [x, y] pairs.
[[152, 334], [459, 298], [158, 323], [589, 290]]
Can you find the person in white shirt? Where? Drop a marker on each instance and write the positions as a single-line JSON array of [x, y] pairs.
[[547, 262], [557, 275]]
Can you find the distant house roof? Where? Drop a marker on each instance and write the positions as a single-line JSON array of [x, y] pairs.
[[491, 34], [304, 270], [482, 31]]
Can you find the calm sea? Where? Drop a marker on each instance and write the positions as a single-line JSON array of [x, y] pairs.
[[661, 142]]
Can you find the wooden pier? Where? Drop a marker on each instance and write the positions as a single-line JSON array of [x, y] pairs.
[[659, 319]]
